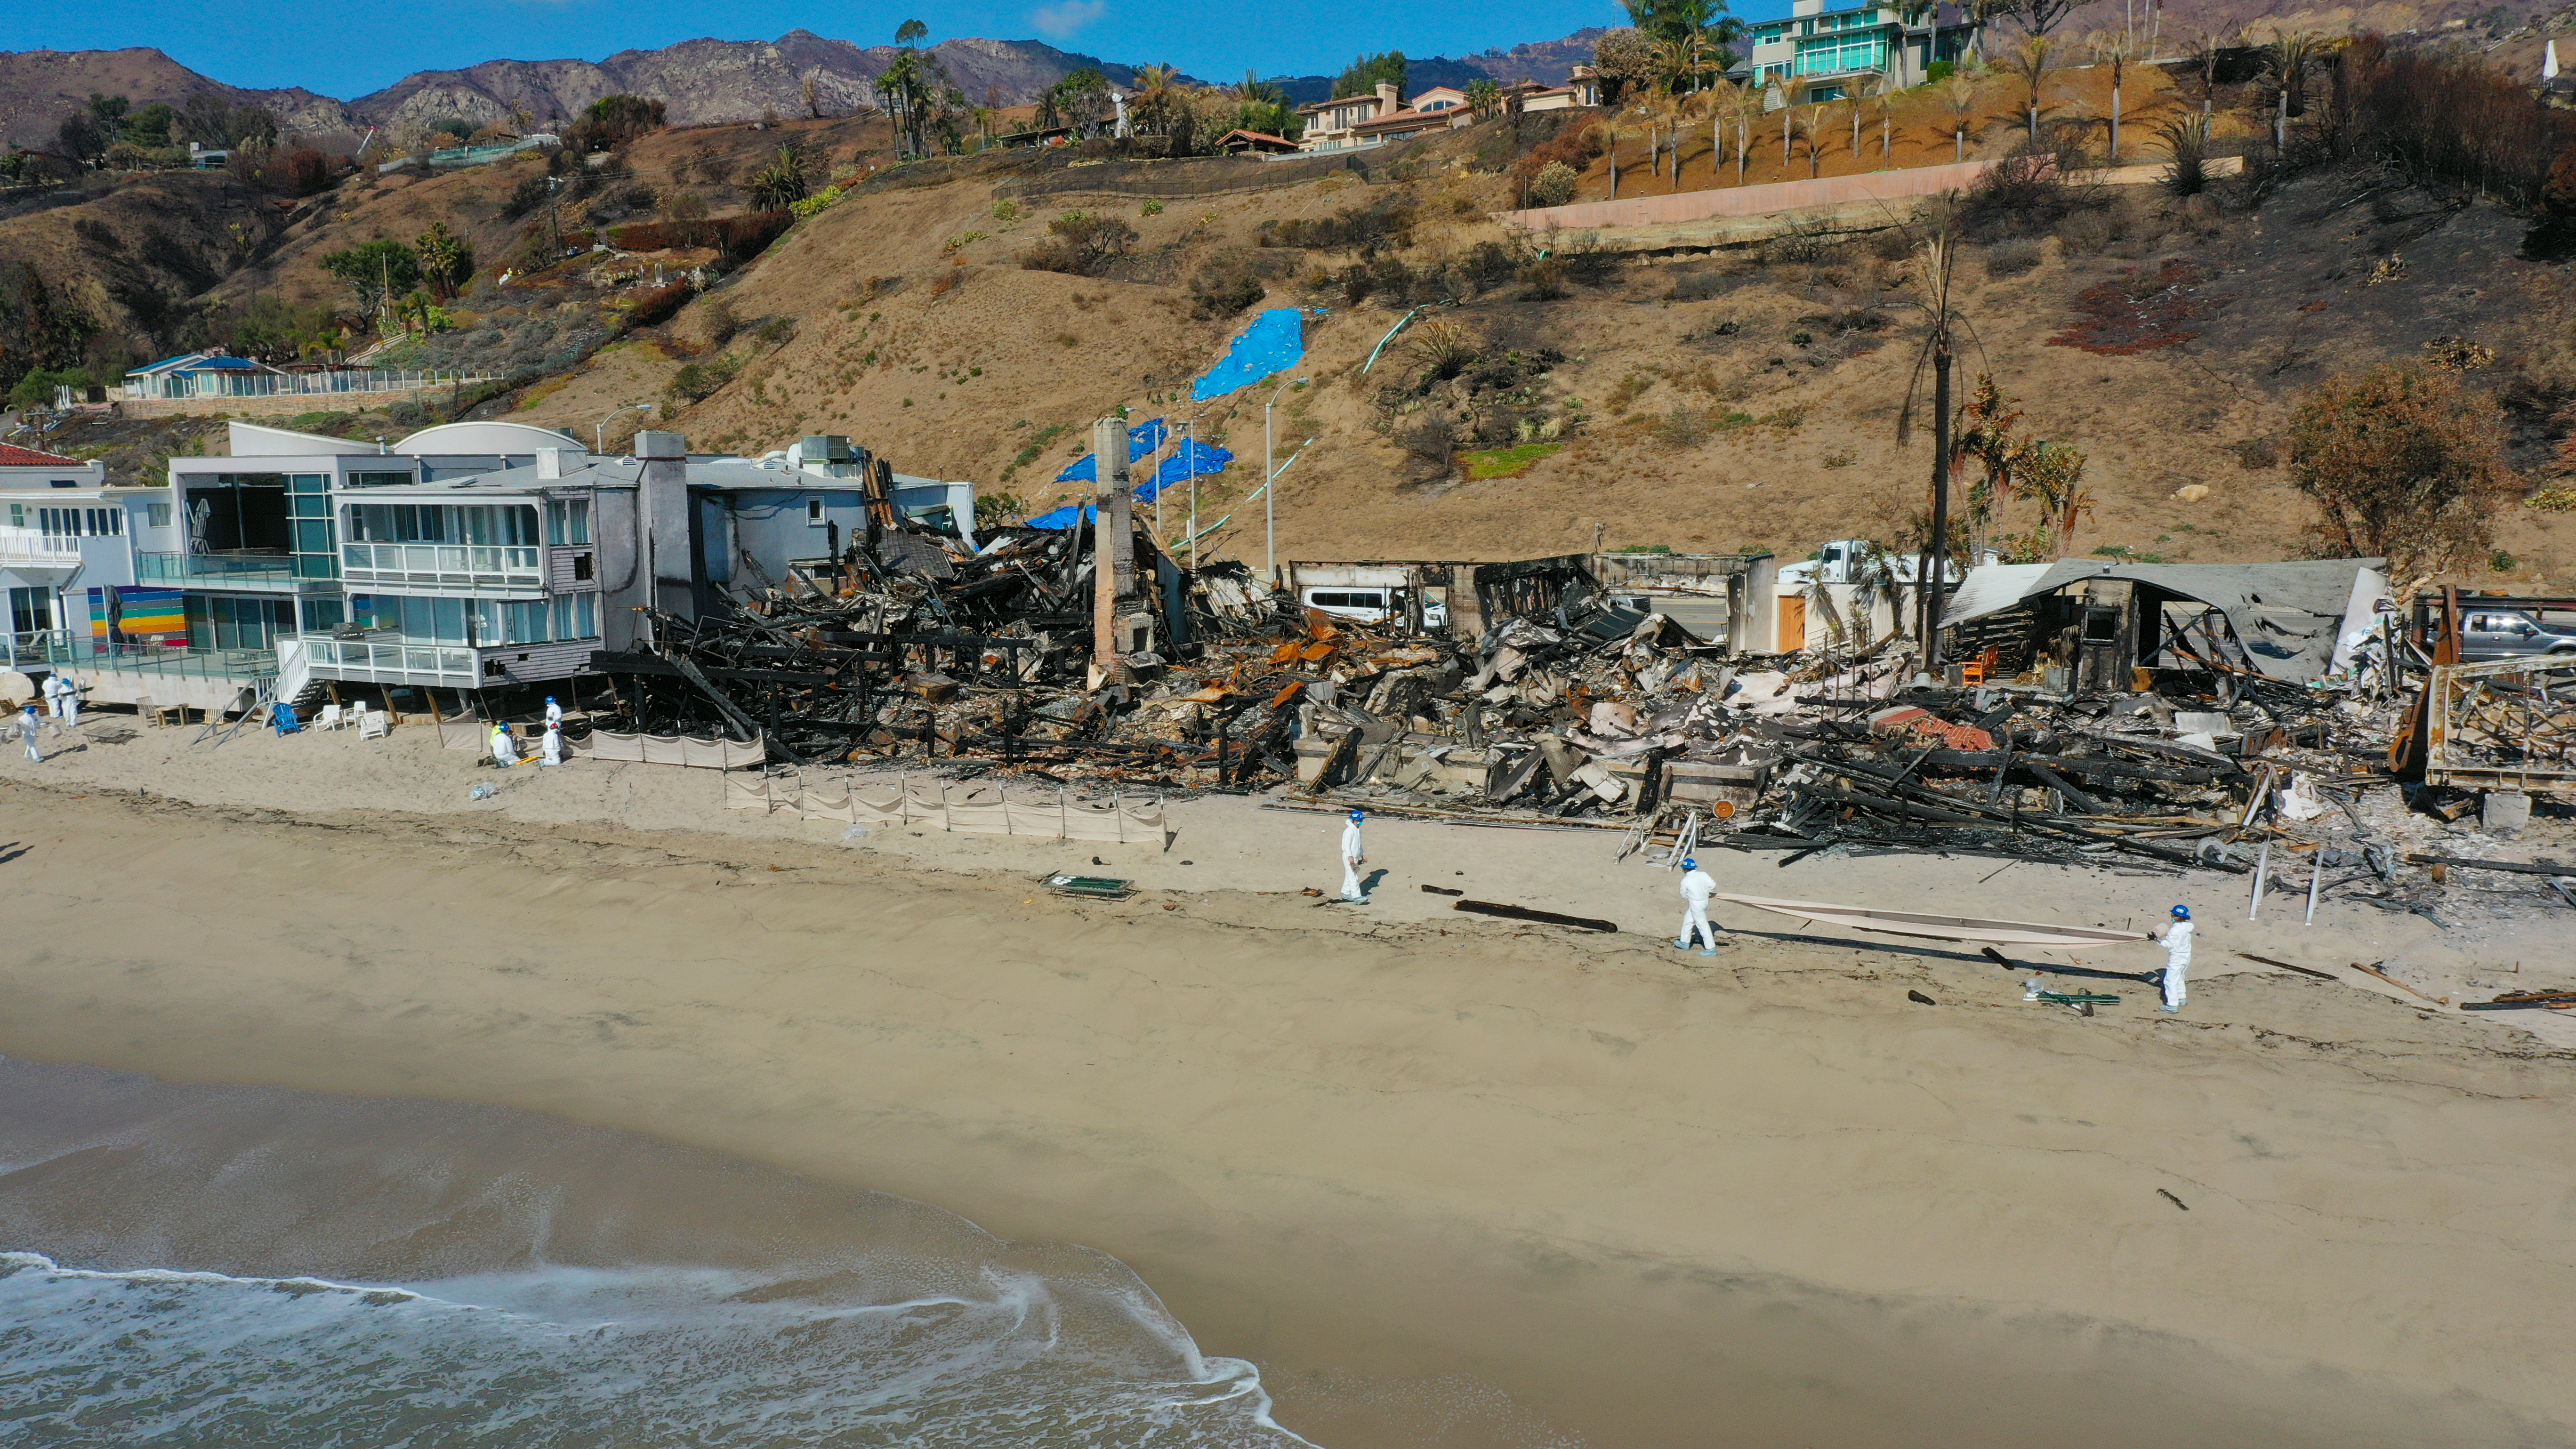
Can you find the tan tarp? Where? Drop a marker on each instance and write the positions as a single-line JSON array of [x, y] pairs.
[[961, 809], [696, 754]]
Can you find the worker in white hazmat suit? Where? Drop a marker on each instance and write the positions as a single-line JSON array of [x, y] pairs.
[[1697, 886], [71, 701], [1353, 857], [554, 713], [54, 689], [27, 727], [553, 754], [504, 753], [2177, 939]]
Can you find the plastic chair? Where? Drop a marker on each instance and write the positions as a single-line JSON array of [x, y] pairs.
[[331, 718], [372, 724], [281, 717]]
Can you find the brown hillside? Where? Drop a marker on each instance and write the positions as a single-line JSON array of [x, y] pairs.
[[38, 86], [472, 202], [1736, 400], [136, 255]]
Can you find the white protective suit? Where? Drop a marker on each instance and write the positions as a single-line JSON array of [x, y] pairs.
[[2177, 963], [1697, 887], [1352, 855], [27, 733], [554, 715], [71, 702], [503, 752], [54, 688], [553, 748]]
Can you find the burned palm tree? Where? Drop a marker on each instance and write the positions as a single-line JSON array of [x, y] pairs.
[[1934, 285]]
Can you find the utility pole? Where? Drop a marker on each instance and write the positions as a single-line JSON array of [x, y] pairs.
[[1270, 488]]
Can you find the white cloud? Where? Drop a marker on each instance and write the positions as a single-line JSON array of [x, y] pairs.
[[1067, 17]]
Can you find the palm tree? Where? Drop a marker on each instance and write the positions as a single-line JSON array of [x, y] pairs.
[[1882, 96], [2033, 61], [1484, 97], [1934, 275], [1813, 128], [1746, 106], [1875, 581], [2116, 49], [1819, 597], [2289, 58], [1959, 98], [1157, 95]]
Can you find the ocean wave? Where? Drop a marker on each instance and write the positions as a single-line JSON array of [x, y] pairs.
[[673, 1356]]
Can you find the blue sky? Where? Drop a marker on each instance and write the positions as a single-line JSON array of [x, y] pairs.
[[347, 48]]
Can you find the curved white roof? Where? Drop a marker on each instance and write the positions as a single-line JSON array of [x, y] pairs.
[[479, 439]]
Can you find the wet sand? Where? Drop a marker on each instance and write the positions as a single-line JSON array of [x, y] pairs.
[[1446, 1182]]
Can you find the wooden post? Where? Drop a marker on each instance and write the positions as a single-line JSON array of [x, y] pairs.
[[1113, 554]]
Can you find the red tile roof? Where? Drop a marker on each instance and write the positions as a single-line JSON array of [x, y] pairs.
[[16, 457]]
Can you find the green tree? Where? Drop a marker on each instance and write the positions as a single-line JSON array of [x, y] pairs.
[[1694, 36], [151, 125], [377, 272], [1263, 106], [2404, 463], [1625, 60], [446, 259], [781, 183], [1484, 97], [613, 121], [1365, 74], [909, 32]]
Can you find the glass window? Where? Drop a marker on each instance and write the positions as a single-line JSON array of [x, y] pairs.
[[309, 482], [526, 623], [567, 521], [155, 514], [378, 480], [18, 514]]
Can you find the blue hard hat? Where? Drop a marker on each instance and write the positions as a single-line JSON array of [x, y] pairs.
[[2182, 913], [1690, 865], [1355, 816], [550, 699]]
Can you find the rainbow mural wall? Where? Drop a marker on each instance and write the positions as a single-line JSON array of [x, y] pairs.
[[123, 614]]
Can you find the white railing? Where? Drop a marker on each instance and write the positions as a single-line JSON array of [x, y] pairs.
[[390, 661], [28, 548], [215, 383], [459, 565]]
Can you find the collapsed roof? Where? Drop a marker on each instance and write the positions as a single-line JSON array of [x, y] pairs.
[[2287, 617]]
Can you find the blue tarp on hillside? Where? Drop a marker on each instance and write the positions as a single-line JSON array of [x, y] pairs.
[[1273, 343], [1143, 438], [1191, 459]]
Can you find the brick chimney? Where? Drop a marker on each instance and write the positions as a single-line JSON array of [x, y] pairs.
[[1387, 101]]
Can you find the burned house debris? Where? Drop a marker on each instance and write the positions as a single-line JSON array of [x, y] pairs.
[[2233, 718]]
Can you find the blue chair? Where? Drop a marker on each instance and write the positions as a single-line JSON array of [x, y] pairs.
[[282, 716]]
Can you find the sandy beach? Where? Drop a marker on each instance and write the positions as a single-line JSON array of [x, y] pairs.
[[1446, 1181]]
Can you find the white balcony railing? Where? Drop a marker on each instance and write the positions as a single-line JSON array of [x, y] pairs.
[[391, 661], [27, 548], [449, 564]]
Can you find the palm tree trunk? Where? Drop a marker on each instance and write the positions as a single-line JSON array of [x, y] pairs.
[[1959, 139], [1743, 143], [2115, 123], [1614, 162], [1886, 136], [1785, 124], [1936, 557]]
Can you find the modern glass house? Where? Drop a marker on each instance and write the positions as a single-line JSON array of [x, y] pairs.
[[1821, 54]]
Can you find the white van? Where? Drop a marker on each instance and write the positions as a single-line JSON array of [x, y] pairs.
[[1366, 605]]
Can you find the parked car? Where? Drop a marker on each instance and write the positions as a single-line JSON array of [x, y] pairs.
[[2510, 633]]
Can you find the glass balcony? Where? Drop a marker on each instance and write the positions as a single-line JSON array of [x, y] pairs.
[[214, 568], [442, 565], [67, 649]]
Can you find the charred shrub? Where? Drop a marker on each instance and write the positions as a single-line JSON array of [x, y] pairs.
[[1081, 245], [1381, 224], [1223, 288]]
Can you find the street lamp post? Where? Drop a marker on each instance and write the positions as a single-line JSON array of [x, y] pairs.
[[599, 430]]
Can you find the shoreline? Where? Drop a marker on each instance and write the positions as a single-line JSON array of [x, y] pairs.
[[1407, 1163]]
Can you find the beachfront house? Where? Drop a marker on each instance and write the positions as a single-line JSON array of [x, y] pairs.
[[67, 552], [1822, 54], [477, 555], [1582, 88]]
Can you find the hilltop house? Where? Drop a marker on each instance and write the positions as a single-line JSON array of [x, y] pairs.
[[1377, 117], [1817, 54]]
